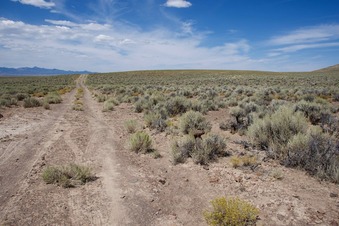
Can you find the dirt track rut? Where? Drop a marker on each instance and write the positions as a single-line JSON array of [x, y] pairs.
[[65, 136]]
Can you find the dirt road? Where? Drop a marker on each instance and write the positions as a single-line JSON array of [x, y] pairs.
[[61, 137]]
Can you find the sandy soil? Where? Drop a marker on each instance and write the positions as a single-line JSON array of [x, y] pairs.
[[134, 189]]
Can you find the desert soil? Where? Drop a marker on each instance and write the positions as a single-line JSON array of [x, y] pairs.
[[136, 189]]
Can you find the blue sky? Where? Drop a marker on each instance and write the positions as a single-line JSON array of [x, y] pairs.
[[112, 35]]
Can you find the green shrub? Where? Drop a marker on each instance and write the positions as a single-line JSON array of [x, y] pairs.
[[181, 149], [273, 132], [192, 122], [109, 104], [53, 98], [236, 161], [155, 121], [32, 102], [177, 105], [46, 105], [315, 152], [5, 102], [67, 176], [200, 150], [101, 98], [315, 112], [215, 146], [21, 96], [231, 212], [140, 142], [131, 126]]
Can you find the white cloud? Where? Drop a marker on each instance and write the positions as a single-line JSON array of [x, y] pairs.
[[315, 37], [37, 3], [308, 35], [104, 47], [178, 3], [294, 48]]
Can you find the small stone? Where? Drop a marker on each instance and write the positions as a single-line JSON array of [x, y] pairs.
[[1, 116], [205, 167], [162, 181], [333, 195], [123, 196], [280, 217]]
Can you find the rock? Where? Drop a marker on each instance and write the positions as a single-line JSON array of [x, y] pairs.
[[205, 167], [280, 217], [238, 179], [1, 116], [214, 180], [333, 195], [162, 181]]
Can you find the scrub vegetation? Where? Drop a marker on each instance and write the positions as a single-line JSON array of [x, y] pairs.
[[293, 117], [34, 91]]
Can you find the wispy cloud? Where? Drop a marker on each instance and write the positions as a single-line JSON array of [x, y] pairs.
[[107, 47], [308, 35], [37, 3], [322, 36], [178, 3]]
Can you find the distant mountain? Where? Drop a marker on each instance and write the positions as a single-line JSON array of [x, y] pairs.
[[329, 69], [27, 71]]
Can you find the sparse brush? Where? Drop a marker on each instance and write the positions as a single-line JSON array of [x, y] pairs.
[[108, 106], [231, 212], [177, 105], [277, 174], [32, 102], [53, 98], [155, 121], [140, 142], [200, 150], [192, 122], [275, 130], [46, 105], [235, 161], [131, 126], [215, 146], [248, 160], [67, 176]]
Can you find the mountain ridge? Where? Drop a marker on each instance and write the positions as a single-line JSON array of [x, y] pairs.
[[37, 71]]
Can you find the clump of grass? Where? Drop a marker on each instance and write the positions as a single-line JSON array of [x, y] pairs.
[[131, 126], [21, 96], [78, 105], [67, 176], [53, 98], [32, 102], [245, 160], [109, 104], [46, 105], [231, 212], [236, 161], [140, 142], [277, 174]]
